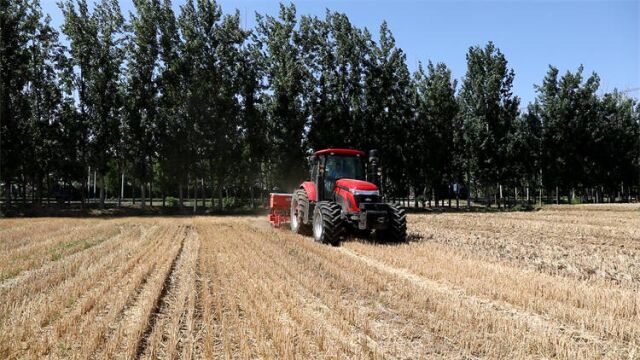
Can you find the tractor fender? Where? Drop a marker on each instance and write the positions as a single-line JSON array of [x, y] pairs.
[[310, 188]]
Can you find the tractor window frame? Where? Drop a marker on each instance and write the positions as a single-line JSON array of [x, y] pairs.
[[315, 164]]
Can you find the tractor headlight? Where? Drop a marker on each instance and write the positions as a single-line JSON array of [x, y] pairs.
[[366, 192]]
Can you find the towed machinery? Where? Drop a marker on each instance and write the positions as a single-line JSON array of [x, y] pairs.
[[342, 195]]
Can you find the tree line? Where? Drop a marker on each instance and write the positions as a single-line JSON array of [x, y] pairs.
[[191, 104]]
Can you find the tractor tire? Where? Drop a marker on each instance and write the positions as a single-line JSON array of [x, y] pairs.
[[397, 231], [299, 208], [328, 226]]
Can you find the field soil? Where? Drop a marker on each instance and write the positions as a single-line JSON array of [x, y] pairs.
[[562, 282]]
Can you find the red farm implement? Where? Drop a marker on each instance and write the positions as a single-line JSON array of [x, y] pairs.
[[280, 205]]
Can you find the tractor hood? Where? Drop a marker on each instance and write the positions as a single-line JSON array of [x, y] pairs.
[[351, 184]]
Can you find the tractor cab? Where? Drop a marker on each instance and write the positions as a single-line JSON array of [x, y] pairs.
[[330, 166]]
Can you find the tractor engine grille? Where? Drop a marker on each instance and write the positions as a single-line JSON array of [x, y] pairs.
[[367, 199]]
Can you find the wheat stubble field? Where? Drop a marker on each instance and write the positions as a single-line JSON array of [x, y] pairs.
[[557, 283]]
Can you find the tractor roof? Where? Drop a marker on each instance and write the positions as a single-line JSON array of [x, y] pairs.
[[339, 152]]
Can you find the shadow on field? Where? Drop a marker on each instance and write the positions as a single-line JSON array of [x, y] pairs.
[[473, 209], [373, 240]]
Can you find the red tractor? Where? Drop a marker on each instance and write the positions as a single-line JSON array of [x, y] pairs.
[[342, 195]]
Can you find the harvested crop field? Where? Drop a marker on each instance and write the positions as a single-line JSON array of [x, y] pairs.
[[562, 282]]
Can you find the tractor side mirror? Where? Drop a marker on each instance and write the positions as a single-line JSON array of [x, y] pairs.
[[373, 156]]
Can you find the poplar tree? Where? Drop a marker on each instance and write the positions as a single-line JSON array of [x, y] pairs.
[[388, 109], [17, 26], [44, 95], [435, 113], [142, 95], [286, 78], [97, 53], [489, 110], [172, 128]]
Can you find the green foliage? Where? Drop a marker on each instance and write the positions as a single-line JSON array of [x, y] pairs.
[[173, 202], [231, 203], [523, 207]]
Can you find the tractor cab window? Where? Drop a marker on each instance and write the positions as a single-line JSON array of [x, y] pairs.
[[342, 166]]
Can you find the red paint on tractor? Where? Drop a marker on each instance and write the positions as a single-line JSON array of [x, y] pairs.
[[339, 152], [353, 184], [310, 188], [348, 197]]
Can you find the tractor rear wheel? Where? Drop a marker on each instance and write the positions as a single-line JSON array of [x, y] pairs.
[[397, 230], [299, 209], [328, 226]]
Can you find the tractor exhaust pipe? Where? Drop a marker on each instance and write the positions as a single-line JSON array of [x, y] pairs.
[[374, 174]]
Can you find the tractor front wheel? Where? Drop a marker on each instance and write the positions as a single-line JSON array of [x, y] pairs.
[[328, 227], [397, 230]]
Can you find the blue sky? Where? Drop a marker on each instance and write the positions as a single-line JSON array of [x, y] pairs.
[[604, 36]]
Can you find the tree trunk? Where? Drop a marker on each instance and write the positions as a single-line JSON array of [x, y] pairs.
[[195, 195], [82, 192], [557, 196], [204, 194], [434, 196], [48, 189], [220, 205], [150, 194], [180, 195], [213, 192], [143, 196], [8, 193], [102, 194], [67, 187], [37, 197], [469, 193], [95, 181], [23, 191], [121, 195], [488, 199]]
